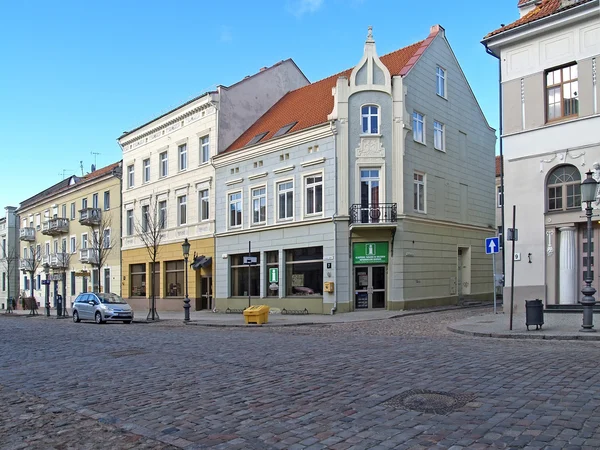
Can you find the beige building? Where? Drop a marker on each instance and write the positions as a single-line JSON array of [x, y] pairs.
[[550, 121], [73, 230], [169, 187]]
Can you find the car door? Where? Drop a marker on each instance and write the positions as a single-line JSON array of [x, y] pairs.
[[84, 307]]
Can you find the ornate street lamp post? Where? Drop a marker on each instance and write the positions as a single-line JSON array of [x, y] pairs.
[[186, 303], [588, 195], [47, 272]]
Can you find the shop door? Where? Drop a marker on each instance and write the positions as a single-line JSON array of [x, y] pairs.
[[369, 287]]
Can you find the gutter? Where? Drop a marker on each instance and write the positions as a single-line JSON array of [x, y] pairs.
[[335, 214]]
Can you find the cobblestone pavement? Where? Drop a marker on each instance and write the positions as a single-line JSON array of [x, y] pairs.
[[343, 386]]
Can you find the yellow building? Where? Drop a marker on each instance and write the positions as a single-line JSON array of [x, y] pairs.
[[70, 234]]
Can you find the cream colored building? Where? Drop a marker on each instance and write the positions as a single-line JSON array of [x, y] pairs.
[[550, 122], [169, 183], [64, 227]]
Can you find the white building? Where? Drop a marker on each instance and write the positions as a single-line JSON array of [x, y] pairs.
[[9, 256]]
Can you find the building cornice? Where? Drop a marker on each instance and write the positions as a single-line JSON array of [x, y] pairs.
[[428, 221], [263, 229]]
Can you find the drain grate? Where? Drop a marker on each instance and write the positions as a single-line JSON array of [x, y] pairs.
[[123, 353], [429, 401]]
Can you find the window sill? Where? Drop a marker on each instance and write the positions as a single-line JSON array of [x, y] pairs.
[[440, 149], [420, 212], [287, 220], [419, 142], [367, 135], [442, 96], [205, 163], [562, 119]]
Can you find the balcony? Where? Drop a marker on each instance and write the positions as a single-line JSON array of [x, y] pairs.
[[27, 264], [90, 216], [374, 215], [54, 227], [59, 260], [88, 256], [27, 234], [45, 260]]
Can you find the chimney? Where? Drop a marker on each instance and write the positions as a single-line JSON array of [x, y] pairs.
[[526, 6]]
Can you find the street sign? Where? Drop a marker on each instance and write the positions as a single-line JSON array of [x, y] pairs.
[[45, 282], [274, 275], [250, 260], [491, 245], [512, 234]]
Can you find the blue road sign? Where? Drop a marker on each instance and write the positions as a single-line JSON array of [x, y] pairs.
[[492, 245]]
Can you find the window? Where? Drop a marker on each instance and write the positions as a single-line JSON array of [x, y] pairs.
[[72, 283], [259, 205], [3, 281], [83, 203], [84, 241], [564, 189], [204, 149], [174, 278], [440, 78], [156, 286], [439, 138], [561, 92], [419, 192], [95, 201], [313, 186], [73, 211], [137, 275], [145, 212], [182, 151], [369, 195], [164, 164], [235, 209], [38, 280], [106, 238], [130, 176], [4, 248], [238, 276], [129, 223], [63, 245], [419, 127], [204, 204], [107, 280], [47, 249], [162, 214], [64, 211], [146, 165], [370, 119], [106, 200], [499, 196], [182, 210], [73, 246], [272, 263], [25, 253], [285, 194], [304, 271]]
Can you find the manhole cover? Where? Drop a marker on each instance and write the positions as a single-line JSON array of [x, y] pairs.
[[122, 353], [429, 401]]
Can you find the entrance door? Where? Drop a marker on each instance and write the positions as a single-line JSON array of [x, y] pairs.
[[459, 273], [369, 287], [206, 293]]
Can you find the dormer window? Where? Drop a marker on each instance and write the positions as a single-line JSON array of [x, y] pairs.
[[370, 119]]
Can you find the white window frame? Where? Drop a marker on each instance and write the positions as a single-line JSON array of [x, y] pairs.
[[235, 201], [277, 194], [420, 185], [441, 76], [163, 223], [103, 277], [252, 198], [181, 220], [163, 161], [499, 196], [369, 115], [95, 200], [73, 211], [305, 188], [203, 205], [106, 203], [416, 119], [73, 243], [439, 136], [146, 171], [130, 176], [84, 241], [129, 225], [204, 149], [104, 238], [182, 156], [145, 214]]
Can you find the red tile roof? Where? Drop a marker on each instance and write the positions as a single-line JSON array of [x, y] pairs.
[[498, 166], [310, 105], [544, 9]]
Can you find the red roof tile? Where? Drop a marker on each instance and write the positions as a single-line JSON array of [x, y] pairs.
[[310, 105], [544, 9], [498, 166]]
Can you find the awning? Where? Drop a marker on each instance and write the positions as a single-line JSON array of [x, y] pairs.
[[201, 261]]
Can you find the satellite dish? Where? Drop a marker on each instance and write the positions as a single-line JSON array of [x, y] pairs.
[[93, 167]]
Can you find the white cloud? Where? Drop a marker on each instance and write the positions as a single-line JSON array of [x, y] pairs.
[[301, 7], [225, 35]]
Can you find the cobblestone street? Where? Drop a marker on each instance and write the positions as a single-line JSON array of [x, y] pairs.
[[339, 386]]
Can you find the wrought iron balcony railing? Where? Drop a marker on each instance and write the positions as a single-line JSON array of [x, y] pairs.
[[90, 216], [56, 226], [27, 234], [374, 213], [88, 256]]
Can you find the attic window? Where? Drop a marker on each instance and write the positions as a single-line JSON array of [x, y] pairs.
[[257, 138], [284, 129]]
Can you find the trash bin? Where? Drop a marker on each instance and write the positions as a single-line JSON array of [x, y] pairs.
[[534, 313], [257, 314]]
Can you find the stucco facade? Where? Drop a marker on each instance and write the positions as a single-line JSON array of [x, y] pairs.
[[9, 256], [548, 146]]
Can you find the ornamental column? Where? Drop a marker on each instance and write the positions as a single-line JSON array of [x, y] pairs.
[[568, 267]]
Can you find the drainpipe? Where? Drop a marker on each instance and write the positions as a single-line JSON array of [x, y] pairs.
[[489, 52], [335, 214]]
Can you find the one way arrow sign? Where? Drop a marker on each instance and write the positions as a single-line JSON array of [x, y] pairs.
[[492, 245]]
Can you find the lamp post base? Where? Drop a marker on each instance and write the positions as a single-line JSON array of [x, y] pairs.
[[186, 308]]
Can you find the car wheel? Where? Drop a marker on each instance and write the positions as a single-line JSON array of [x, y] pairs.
[[98, 318], [76, 318], [127, 321]]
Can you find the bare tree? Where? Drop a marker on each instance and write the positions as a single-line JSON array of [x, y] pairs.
[[31, 264], [150, 229], [102, 243], [10, 261], [65, 264]]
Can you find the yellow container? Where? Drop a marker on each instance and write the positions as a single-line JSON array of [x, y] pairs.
[[257, 314]]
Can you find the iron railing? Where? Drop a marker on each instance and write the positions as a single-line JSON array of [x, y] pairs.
[[374, 213]]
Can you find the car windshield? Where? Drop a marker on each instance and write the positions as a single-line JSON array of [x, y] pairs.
[[110, 298]]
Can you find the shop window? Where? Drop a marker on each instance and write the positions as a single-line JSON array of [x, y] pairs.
[[272, 263], [174, 273], [238, 275], [304, 271], [137, 275]]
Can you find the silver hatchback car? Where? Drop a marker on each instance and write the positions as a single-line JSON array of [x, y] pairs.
[[101, 307]]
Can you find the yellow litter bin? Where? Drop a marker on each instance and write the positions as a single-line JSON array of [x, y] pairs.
[[257, 314]]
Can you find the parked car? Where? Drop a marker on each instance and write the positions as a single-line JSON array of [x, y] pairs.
[[101, 307]]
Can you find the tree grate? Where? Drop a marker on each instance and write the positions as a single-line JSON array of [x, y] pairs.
[[432, 402]]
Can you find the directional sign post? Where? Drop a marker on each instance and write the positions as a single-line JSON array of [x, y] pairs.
[[492, 246]]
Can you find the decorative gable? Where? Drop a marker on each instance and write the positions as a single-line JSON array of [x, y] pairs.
[[370, 73]]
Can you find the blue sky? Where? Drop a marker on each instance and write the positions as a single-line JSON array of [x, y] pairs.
[[76, 74]]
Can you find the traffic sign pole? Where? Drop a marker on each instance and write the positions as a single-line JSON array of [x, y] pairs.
[[494, 270]]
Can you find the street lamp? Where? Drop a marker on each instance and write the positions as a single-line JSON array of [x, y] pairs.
[[186, 303], [588, 195], [46, 267]]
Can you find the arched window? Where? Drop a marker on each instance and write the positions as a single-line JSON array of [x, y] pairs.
[[564, 189], [370, 119]]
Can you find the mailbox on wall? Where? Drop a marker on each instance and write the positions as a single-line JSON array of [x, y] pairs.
[[328, 286]]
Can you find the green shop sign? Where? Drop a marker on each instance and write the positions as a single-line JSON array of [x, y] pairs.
[[370, 253]]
